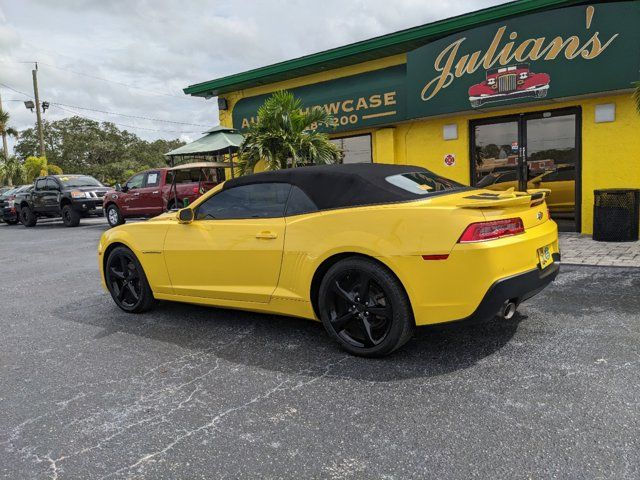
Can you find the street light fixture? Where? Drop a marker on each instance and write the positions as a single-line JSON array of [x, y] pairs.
[[30, 105]]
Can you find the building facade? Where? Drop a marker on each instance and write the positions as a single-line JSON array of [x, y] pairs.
[[529, 94]]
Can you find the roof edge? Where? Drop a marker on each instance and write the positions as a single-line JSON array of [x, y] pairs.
[[429, 30]]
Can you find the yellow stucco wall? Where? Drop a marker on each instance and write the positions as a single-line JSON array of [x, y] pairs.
[[610, 151]]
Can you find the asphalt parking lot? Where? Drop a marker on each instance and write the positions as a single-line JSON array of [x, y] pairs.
[[191, 392]]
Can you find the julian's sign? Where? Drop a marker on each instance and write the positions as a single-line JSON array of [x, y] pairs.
[[557, 53], [358, 101]]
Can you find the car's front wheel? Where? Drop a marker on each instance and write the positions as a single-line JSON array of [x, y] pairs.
[[27, 217], [114, 217], [365, 308], [70, 217], [127, 282]]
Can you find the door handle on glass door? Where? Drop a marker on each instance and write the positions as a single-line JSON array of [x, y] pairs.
[[267, 235]]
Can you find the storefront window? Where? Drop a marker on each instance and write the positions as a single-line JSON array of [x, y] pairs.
[[355, 149]]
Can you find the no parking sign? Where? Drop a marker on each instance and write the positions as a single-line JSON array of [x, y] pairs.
[[449, 159]]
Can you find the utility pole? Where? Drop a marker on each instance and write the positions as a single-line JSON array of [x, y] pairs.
[[5, 147], [38, 115]]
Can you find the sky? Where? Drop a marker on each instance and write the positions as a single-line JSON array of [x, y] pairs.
[[134, 57]]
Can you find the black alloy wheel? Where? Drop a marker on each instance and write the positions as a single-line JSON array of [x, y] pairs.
[[364, 307], [70, 217], [27, 217], [127, 282]]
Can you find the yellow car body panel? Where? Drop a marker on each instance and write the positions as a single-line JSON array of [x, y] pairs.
[[268, 265]]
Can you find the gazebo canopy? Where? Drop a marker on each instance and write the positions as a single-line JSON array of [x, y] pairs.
[[217, 140]]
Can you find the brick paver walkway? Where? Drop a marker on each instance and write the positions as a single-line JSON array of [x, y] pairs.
[[582, 250]]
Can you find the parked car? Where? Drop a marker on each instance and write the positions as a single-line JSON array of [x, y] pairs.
[[7, 204], [371, 250], [155, 191], [68, 196], [513, 81]]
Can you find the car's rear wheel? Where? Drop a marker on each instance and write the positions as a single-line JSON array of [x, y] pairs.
[[27, 217], [70, 217], [365, 308], [114, 217], [127, 282]]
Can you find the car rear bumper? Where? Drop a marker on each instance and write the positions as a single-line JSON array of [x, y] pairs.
[[516, 288], [466, 283]]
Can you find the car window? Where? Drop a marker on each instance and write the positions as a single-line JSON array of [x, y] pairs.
[[41, 184], [259, 200], [136, 181], [78, 181], [423, 183], [299, 202], [153, 179], [51, 184]]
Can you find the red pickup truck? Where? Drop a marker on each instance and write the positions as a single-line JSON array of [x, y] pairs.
[[153, 192]]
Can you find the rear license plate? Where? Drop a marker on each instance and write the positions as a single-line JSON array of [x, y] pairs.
[[545, 257]]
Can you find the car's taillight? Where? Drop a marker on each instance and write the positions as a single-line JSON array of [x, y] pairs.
[[478, 232], [195, 190]]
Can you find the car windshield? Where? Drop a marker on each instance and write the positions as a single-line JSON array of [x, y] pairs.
[[423, 183], [79, 181], [8, 192]]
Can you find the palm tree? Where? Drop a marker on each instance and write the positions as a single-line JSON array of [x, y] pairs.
[[285, 136], [11, 171], [5, 130]]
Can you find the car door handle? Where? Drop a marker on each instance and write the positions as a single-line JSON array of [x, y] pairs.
[[156, 192], [136, 194], [267, 235]]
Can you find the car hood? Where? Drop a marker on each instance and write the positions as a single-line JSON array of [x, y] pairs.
[[89, 189]]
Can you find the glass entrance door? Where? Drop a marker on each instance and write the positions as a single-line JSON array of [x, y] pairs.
[[536, 150]]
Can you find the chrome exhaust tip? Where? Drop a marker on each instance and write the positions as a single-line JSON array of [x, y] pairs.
[[508, 310]]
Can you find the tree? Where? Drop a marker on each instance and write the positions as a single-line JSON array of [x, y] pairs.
[[35, 167], [5, 130], [11, 171], [285, 136], [79, 145]]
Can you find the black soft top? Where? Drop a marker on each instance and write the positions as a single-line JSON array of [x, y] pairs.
[[340, 186]]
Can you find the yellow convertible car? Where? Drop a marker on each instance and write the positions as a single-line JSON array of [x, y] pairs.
[[370, 250]]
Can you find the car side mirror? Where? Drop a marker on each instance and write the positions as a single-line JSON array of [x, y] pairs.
[[124, 188], [186, 215], [118, 187]]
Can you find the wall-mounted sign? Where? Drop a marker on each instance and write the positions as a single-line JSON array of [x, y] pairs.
[[358, 101], [450, 159], [557, 53]]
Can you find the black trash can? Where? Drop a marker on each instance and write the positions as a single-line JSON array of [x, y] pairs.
[[616, 215]]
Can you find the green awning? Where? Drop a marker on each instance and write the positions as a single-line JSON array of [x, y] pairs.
[[217, 140]]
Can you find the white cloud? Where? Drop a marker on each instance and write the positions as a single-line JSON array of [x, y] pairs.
[[166, 45]]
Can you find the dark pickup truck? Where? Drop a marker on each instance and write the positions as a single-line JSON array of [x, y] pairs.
[[68, 196]]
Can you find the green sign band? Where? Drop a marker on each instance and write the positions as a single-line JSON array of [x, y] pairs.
[[358, 101], [559, 53], [555, 54]]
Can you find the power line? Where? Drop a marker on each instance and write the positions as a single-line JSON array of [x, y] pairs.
[[130, 116], [183, 97], [62, 105], [95, 77], [121, 124]]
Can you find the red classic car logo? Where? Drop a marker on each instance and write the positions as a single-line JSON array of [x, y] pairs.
[[507, 83]]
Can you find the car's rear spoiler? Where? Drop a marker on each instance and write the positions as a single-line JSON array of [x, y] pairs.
[[508, 198]]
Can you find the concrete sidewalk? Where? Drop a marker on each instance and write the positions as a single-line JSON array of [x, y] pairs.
[[582, 250]]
